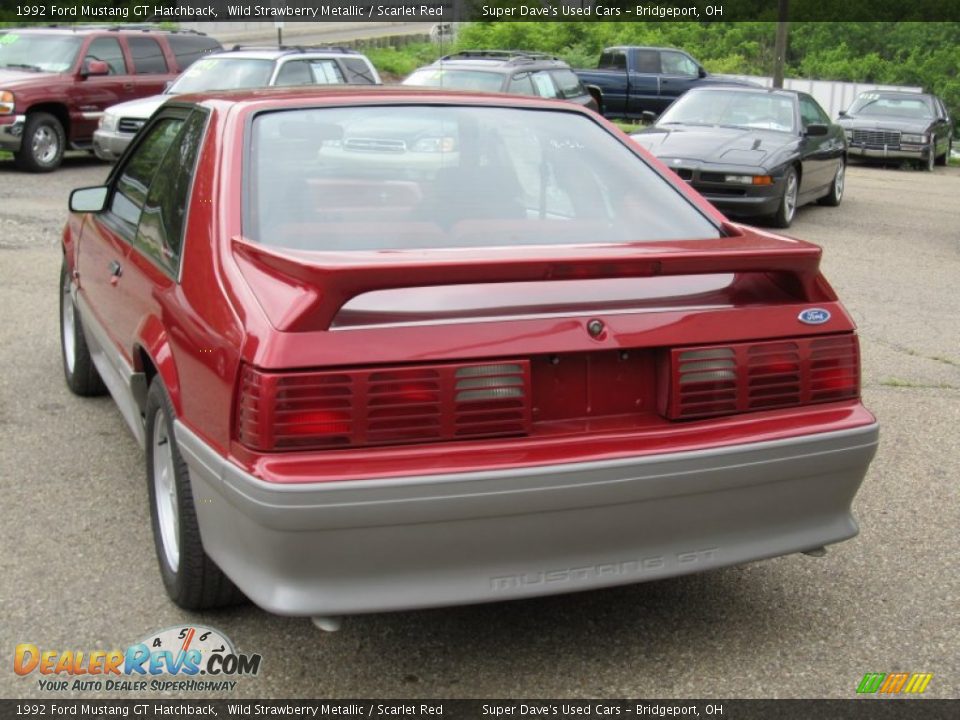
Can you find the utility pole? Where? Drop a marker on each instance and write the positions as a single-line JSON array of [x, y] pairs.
[[780, 49]]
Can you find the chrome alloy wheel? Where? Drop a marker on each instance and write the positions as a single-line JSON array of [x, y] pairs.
[[68, 326], [165, 491], [839, 180], [790, 197], [45, 145]]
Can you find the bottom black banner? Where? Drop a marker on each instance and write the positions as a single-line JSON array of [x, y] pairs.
[[854, 709]]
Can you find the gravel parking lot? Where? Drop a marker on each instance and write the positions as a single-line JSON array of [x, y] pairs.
[[79, 573]]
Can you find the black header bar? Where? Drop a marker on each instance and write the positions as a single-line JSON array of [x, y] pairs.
[[127, 11]]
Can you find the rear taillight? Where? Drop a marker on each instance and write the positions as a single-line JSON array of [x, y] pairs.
[[386, 406], [726, 379]]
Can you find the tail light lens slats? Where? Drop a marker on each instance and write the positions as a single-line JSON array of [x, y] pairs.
[[317, 410], [492, 399], [834, 368], [708, 380], [773, 375], [743, 377]]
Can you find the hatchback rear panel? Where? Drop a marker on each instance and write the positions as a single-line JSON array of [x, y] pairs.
[[420, 425], [505, 447]]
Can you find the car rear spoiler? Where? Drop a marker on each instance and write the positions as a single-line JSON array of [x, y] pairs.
[[308, 288]]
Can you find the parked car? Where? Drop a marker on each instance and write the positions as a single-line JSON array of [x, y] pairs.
[[56, 82], [238, 68], [631, 81], [528, 361], [752, 152], [885, 125], [510, 71]]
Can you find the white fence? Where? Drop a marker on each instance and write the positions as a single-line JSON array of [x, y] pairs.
[[833, 95]]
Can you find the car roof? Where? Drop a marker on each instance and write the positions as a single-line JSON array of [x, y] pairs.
[[341, 95], [273, 52], [747, 89], [906, 94], [92, 29], [642, 47], [500, 60]]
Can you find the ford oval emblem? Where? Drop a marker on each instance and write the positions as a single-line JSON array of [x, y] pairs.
[[814, 316]]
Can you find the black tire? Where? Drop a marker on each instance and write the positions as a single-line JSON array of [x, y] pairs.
[[78, 369], [835, 196], [193, 581], [931, 160], [787, 209], [43, 143], [945, 158]]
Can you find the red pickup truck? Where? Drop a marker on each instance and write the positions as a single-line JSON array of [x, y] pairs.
[[56, 82]]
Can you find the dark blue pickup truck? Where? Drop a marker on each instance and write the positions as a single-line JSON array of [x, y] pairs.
[[629, 81]]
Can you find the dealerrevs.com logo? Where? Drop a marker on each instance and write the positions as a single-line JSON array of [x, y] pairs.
[[170, 660]]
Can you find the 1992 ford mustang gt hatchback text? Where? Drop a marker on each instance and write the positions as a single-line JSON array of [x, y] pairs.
[[395, 349]]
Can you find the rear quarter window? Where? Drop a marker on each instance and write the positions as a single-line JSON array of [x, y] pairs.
[[613, 60], [358, 71], [567, 83], [310, 72], [147, 56]]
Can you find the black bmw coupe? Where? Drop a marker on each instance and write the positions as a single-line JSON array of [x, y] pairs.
[[752, 152]]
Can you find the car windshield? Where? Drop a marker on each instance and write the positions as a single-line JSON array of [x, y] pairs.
[[477, 80], [223, 73], [400, 177], [876, 105], [47, 53], [761, 110]]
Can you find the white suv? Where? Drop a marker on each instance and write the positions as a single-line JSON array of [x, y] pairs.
[[240, 67]]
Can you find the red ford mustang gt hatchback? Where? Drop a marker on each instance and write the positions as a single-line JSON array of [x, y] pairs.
[[393, 349]]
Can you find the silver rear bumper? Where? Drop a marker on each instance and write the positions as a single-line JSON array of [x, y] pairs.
[[400, 543]]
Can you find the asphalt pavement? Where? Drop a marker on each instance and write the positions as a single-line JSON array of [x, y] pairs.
[[79, 573]]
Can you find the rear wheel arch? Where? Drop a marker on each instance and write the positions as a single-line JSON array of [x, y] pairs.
[[153, 357], [191, 578]]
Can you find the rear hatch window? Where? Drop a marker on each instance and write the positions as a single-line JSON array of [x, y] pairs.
[[387, 178]]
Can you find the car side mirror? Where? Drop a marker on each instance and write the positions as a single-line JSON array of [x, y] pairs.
[[843, 113], [95, 67], [649, 117], [89, 199], [166, 86], [701, 72], [816, 130]]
